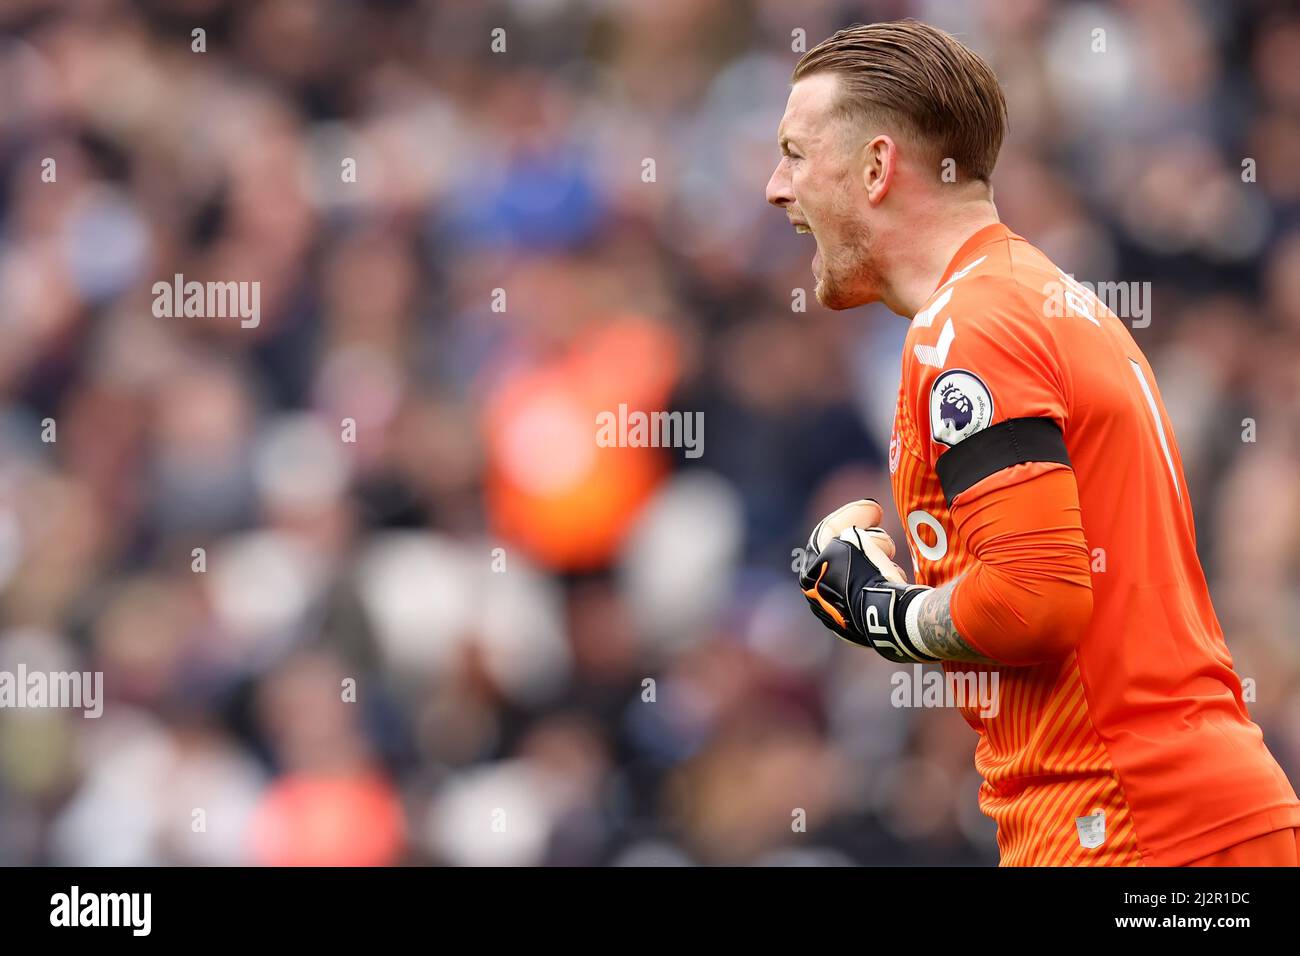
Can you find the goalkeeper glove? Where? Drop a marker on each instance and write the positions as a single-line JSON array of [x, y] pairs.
[[859, 593]]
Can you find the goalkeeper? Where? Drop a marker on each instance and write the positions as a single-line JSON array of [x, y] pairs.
[[1037, 477]]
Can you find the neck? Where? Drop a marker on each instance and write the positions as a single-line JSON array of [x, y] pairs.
[[930, 241]]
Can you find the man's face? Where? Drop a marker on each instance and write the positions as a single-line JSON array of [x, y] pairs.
[[819, 185]]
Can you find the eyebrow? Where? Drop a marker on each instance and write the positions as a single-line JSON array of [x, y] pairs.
[[784, 140]]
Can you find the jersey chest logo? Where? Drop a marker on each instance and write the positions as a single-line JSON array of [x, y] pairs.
[[960, 405]]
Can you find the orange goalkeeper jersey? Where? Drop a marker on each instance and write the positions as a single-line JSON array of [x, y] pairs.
[[1135, 749]]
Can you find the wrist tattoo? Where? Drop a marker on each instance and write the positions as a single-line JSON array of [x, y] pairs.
[[937, 631]]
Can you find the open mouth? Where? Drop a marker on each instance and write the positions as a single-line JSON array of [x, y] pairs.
[[802, 227]]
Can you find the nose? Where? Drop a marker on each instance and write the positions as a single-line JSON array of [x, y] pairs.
[[779, 188]]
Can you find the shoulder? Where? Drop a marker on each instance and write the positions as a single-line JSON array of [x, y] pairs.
[[981, 311], [983, 350]]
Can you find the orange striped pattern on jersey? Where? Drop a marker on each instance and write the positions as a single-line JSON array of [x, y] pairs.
[[1040, 754], [1144, 723]]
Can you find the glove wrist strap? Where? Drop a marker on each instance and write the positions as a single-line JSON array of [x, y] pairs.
[[884, 613]]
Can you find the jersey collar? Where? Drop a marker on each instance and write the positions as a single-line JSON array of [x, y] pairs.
[[991, 233]]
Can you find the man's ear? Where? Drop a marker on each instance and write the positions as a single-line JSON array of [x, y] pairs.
[[879, 159]]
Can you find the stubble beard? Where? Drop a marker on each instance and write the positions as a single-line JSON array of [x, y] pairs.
[[851, 277]]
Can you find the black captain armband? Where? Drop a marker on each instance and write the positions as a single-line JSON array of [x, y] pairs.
[[1012, 442]]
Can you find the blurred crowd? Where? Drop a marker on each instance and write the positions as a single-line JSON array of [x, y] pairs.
[[361, 584]]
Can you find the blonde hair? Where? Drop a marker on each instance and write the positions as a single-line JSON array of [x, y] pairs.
[[921, 79]]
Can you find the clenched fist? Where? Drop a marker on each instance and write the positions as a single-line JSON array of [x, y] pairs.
[[853, 585]]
